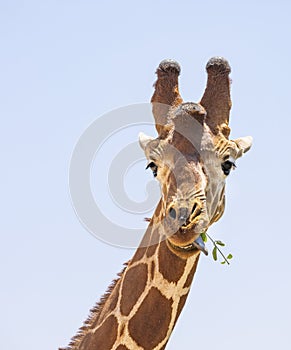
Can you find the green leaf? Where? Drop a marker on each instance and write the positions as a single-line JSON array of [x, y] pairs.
[[204, 237], [220, 243], [214, 253], [230, 256]]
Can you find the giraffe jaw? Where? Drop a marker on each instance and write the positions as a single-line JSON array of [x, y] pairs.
[[197, 245]]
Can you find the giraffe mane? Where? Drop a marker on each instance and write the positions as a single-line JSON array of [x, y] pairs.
[[94, 312]]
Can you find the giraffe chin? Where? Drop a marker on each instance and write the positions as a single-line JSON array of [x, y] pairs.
[[189, 249]]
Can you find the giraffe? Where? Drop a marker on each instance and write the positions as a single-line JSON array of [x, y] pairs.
[[191, 158]]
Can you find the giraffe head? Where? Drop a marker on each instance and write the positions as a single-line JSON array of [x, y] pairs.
[[193, 155]]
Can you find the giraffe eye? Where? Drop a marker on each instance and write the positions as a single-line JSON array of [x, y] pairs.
[[153, 167], [227, 166]]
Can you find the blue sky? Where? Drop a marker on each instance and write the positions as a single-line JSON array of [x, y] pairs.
[[65, 63]]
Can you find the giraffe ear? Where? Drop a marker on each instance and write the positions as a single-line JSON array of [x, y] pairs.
[[144, 140], [244, 143]]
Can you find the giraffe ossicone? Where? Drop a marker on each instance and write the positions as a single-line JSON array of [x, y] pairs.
[[191, 158]]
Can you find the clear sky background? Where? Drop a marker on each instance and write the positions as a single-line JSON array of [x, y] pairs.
[[63, 64]]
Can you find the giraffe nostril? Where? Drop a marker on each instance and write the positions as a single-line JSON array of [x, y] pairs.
[[172, 213], [183, 215], [196, 210]]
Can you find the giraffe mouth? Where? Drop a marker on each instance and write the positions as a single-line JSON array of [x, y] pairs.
[[196, 226], [198, 244]]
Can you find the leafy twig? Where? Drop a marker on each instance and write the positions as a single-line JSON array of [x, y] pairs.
[[216, 248]]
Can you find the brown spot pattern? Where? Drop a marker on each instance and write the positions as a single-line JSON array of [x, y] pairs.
[[191, 274], [122, 347], [170, 265], [134, 284], [85, 342], [151, 250], [180, 306], [114, 297], [108, 302], [158, 209], [146, 245], [139, 254], [98, 340], [149, 325]]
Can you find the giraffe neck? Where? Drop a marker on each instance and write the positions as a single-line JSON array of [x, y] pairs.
[[144, 304]]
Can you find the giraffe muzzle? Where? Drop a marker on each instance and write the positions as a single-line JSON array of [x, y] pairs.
[[189, 222], [185, 218]]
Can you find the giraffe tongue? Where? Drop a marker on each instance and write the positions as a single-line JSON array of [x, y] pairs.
[[199, 244]]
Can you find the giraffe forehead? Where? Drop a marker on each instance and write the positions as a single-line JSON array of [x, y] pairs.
[[192, 146], [182, 146], [188, 174]]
